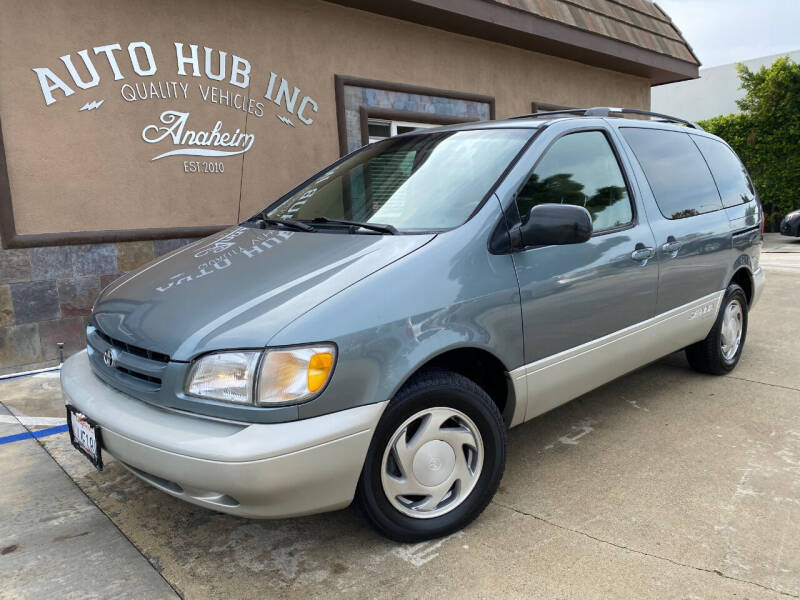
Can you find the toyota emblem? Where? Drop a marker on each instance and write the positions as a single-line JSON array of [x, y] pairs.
[[108, 358]]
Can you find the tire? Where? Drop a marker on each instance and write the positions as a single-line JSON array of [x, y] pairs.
[[710, 355], [409, 443]]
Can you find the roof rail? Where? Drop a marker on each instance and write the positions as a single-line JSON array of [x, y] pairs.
[[607, 111]]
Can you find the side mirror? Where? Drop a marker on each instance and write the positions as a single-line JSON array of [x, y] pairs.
[[554, 224]]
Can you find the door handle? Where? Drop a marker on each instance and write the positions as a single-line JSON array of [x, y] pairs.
[[671, 247], [642, 252]]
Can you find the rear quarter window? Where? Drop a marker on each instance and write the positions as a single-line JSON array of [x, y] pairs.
[[676, 171], [729, 173]]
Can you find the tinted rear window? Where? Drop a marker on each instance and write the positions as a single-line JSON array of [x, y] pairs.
[[676, 171], [732, 181]]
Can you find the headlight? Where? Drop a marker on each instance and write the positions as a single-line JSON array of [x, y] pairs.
[[269, 378], [226, 376]]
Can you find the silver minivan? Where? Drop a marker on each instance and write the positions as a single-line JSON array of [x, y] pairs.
[[371, 335]]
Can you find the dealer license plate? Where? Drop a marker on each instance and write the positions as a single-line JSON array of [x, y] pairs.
[[85, 436]]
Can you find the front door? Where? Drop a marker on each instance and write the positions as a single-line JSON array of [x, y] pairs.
[[584, 306]]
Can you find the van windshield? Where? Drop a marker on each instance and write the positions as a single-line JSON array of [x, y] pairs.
[[414, 182]]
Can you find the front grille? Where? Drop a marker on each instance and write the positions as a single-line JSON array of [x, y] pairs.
[[134, 369], [141, 376], [136, 350]]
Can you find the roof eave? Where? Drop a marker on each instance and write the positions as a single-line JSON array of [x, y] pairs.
[[507, 25]]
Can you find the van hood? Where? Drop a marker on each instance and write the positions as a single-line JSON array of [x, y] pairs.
[[238, 288]]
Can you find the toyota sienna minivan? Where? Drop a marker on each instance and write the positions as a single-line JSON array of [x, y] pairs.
[[371, 335]]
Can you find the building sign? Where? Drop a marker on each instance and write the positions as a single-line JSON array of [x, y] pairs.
[[192, 73]]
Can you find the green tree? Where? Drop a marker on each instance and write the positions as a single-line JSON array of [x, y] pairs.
[[766, 134]]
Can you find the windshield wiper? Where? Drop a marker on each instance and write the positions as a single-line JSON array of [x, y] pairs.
[[379, 227], [296, 225]]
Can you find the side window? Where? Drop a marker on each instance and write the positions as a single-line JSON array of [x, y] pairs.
[[675, 170], [581, 169], [730, 175]]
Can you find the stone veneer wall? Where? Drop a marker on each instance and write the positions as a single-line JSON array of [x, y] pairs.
[[46, 295]]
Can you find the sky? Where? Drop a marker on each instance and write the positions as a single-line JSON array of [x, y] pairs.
[[726, 31]]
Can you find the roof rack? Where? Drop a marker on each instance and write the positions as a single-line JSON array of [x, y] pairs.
[[607, 111]]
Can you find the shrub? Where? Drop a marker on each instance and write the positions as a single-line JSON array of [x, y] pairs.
[[766, 134]]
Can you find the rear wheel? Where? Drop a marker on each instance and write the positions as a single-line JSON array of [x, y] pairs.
[[719, 353], [435, 460]]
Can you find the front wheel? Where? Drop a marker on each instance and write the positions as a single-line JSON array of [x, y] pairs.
[[719, 353], [436, 458]]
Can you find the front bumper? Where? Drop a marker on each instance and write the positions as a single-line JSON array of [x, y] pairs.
[[790, 227], [250, 470]]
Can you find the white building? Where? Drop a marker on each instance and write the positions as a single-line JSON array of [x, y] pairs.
[[714, 94]]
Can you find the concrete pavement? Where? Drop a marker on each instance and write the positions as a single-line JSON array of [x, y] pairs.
[[662, 484], [54, 542], [780, 244]]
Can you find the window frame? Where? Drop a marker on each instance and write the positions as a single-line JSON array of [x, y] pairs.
[[394, 124], [365, 110], [371, 113], [617, 156]]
